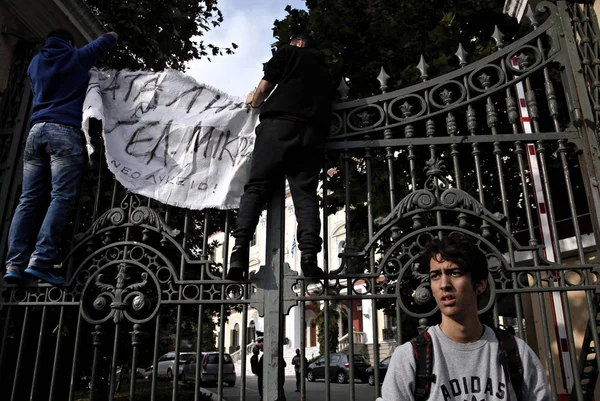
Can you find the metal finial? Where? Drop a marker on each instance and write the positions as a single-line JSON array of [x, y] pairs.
[[531, 16], [462, 55], [498, 36], [423, 67], [343, 89], [383, 79]]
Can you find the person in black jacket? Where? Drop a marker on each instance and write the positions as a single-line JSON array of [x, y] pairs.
[[256, 365], [297, 362], [294, 122]]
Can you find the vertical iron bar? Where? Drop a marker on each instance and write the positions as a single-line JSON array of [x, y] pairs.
[[75, 361], [512, 115], [3, 361], [135, 341], [538, 280], [563, 294], [303, 366], [199, 339], [96, 369], [113, 364], [175, 370], [58, 349], [325, 220], [38, 354], [373, 281], [19, 362], [153, 391]]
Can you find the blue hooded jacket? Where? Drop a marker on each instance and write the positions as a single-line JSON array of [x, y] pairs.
[[59, 79]]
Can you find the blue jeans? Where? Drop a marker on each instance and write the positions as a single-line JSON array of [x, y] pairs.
[[53, 163]]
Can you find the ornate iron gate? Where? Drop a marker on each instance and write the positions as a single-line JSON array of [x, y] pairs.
[[504, 150]]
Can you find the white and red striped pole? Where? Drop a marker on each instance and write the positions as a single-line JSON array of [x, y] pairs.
[[547, 235]]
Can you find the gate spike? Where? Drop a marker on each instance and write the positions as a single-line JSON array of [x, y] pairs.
[[343, 89], [531, 16], [423, 67], [462, 54], [498, 36], [383, 79]]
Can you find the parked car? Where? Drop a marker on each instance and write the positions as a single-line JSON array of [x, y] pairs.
[[166, 364], [339, 368], [209, 369], [383, 367]]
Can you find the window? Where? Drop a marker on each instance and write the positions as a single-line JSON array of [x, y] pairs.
[[235, 338], [334, 360], [251, 333], [340, 249]]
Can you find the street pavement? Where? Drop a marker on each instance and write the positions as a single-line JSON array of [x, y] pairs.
[[315, 391]]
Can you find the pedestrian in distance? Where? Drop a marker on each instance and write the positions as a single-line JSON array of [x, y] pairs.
[[54, 157], [461, 358], [256, 365], [297, 363]]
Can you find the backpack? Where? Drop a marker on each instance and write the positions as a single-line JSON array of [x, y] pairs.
[[509, 359]]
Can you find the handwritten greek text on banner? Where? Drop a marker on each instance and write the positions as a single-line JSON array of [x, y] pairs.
[[171, 138]]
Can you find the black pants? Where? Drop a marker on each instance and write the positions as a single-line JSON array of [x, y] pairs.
[[284, 148], [260, 385], [298, 379]]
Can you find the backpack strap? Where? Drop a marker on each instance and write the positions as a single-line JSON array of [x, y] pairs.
[[510, 360], [423, 351]]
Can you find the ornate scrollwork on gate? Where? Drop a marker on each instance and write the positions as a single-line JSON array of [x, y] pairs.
[[399, 263], [437, 193], [130, 211], [133, 293]]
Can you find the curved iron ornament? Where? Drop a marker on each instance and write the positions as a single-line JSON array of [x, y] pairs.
[[133, 294]]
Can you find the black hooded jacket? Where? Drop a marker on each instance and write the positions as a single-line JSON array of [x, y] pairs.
[[304, 86]]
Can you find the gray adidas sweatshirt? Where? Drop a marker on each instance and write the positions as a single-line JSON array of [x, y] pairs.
[[464, 372]]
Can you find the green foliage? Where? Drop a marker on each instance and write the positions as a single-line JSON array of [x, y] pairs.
[[159, 34], [358, 37], [334, 317]]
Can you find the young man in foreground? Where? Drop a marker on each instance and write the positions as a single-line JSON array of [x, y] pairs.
[[466, 357]]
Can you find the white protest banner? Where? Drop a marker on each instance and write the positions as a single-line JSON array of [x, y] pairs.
[[171, 138]]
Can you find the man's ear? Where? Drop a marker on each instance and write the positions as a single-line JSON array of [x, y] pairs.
[[480, 287]]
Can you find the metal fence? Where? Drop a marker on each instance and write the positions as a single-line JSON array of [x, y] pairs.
[[504, 151]]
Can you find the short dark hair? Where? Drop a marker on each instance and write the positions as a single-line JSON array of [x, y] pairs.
[[61, 34], [459, 250], [304, 37]]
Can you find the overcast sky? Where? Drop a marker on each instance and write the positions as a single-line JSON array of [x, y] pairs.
[[249, 24]]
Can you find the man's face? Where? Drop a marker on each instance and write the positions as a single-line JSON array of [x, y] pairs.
[[454, 290], [297, 43]]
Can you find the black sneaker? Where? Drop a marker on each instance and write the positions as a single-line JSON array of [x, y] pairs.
[[310, 269], [238, 263]]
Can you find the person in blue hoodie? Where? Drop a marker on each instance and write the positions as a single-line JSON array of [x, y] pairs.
[[54, 157]]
